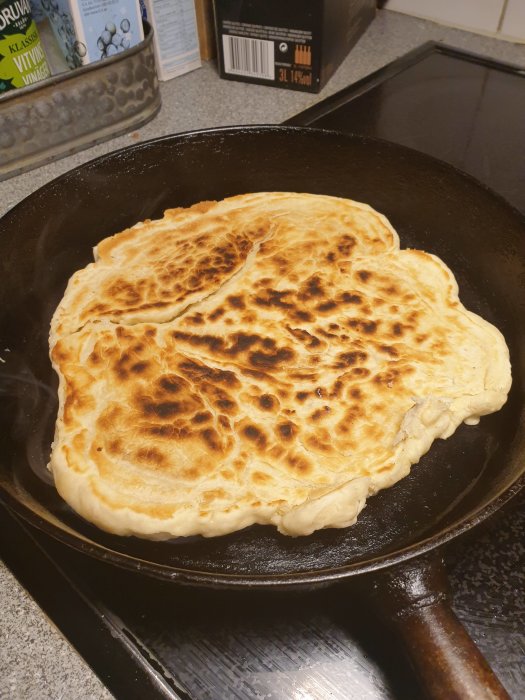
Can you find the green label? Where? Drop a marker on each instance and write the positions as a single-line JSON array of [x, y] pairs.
[[15, 17], [22, 59]]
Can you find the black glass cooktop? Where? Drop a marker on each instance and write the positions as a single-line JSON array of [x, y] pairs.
[[465, 109], [148, 639]]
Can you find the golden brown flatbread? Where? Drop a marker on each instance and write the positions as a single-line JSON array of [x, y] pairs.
[[271, 358]]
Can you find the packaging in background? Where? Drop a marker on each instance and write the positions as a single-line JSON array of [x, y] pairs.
[[22, 58], [175, 36], [37, 11], [296, 44], [90, 30], [206, 28]]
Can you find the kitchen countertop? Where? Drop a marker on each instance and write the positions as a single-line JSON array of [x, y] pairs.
[[36, 662]]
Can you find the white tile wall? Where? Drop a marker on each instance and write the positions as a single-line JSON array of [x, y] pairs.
[[476, 15], [514, 20]]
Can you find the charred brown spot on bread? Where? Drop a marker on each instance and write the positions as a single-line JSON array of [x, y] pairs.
[[255, 435], [351, 298], [150, 455], [261, 477], [438, 346], [335, 391], [286, 430], [108, 418], [199, 372], [326, 306], [301, 395], [225, 423], [369, 327], [220, 399], [76, 400], [304, 376], [346, 244], [163, 409], [311, 341], [364, 275], [201, 417], [346, 424], [360, 371], [194, 282], [299, 315], [121, 370], [271, 297], [212, 439], [299, 463], [277, 451], [236, 301], [356, 393], [114, 447], [168, 431], [387, 378], [326, 334], [268, 402], [59, 354], [391, 290], [139, 367], [196, 319], [171, 383], [389, 350], [353, 412], [314, 442], [226, 404], [311, 288], [365, 326], [238, 343], [216, 314], [320, 413], [268, 343], [271, 359], [349, 359], [99, 308], [191, 474], [212, 342], [397, 329], [123, 293]]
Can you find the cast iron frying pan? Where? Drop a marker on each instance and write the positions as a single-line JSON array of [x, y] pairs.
[[457, 484]]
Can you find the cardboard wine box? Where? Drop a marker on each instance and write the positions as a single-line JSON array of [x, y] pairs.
[[297, 44]]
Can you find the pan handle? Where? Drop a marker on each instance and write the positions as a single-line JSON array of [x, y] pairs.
[[413, 597]]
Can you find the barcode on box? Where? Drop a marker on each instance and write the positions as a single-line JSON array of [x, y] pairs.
[[253, 58]]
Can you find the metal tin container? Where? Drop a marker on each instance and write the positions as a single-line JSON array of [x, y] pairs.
[[78, 108]]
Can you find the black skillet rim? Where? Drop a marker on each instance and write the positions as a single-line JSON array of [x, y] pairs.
[[194, 577]]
